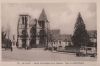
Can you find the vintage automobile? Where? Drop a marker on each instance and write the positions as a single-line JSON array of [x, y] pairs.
[[87, 51]]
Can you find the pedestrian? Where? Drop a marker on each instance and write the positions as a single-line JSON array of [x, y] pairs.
[[16, 44], [10, 45], [11, 49], [5, 42]]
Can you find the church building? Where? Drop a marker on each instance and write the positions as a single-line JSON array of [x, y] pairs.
[[32, 32]]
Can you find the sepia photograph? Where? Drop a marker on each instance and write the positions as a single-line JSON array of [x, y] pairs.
[[48, 32]]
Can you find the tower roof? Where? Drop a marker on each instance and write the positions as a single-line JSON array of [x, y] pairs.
[[43, 15], [79, 14]]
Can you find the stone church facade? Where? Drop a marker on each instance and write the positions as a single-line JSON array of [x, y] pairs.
[[32, 32]]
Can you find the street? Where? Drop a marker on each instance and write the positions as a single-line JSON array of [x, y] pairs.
[[39, 54]]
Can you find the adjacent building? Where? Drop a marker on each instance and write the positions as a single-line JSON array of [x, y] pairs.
[[93, 37], [60, 40]]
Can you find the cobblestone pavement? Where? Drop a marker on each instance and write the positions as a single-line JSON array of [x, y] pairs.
[[39, 54]]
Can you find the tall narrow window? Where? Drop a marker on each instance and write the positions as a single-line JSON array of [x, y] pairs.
[[22, 19], [25, 21]]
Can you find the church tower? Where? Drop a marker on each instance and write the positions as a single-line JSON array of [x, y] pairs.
[[42, 30], [23, 31]]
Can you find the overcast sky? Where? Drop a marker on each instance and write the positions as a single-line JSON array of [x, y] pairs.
[[60, 15]]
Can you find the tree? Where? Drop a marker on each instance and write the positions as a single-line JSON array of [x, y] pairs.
[[3, 36], [80, 36]]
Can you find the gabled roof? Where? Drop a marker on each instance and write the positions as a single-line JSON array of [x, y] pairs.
[[43, 15], [92, 33], [65, 37]]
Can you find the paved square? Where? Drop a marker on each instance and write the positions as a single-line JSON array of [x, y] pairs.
[[39, 54]]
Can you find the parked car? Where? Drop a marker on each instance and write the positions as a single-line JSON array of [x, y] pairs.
[[87, 51]]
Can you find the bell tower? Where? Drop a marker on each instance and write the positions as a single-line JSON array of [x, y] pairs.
[[42, 30], [23, 31]]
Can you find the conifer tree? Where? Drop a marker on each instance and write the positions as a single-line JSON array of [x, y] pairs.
[[80, 37]]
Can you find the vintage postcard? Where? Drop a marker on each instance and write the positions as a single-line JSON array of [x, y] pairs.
[[49, 32]]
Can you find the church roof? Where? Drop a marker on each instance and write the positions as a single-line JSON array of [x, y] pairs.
[[43, 15], [79, 14]]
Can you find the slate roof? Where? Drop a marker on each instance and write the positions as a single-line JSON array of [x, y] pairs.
[[43, 16]]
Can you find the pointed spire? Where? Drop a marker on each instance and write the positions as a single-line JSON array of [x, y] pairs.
[[79, 14], [43, 15]]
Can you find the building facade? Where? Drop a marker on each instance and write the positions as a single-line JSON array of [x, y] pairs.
[[59, 41], [32, 32], [93, 38]]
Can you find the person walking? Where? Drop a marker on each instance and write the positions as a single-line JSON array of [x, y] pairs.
[[10, 42]]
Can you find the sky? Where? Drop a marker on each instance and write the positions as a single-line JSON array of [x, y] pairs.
[[60, 15]]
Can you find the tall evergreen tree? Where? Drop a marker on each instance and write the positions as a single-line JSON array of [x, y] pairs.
[[80, 36]]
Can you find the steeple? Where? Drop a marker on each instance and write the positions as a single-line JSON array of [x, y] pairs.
[[79, 14], [43, 15]]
